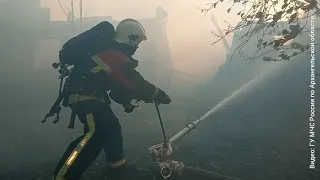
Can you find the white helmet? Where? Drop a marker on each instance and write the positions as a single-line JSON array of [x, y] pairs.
[[130, 32]]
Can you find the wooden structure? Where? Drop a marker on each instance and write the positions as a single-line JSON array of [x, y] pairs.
[[25, 25]]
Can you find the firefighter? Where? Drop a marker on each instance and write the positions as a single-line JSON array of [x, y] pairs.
[[87, 87]]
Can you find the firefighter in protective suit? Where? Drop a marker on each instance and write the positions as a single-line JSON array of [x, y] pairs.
[[112, 69]]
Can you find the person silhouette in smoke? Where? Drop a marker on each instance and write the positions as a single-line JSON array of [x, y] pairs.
[[111, 69]]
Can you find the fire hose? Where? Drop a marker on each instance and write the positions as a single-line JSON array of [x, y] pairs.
[[160, 153]]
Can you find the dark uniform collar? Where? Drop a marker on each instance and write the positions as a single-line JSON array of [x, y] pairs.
[[126, 49]]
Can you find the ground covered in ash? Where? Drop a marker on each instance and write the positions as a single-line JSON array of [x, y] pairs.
[[246, 152], [259, 136]]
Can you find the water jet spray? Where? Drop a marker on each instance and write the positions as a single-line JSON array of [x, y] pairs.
[[160, 152]]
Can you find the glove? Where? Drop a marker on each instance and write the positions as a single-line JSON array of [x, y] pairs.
[[128, 108], [162, 97]]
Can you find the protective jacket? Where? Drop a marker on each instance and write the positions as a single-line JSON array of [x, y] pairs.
[[112, 69]]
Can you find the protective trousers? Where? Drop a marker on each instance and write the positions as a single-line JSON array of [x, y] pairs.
[[102, 130]]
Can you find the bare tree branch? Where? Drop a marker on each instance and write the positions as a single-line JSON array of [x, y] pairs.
[[263, 20], [64, 12]]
